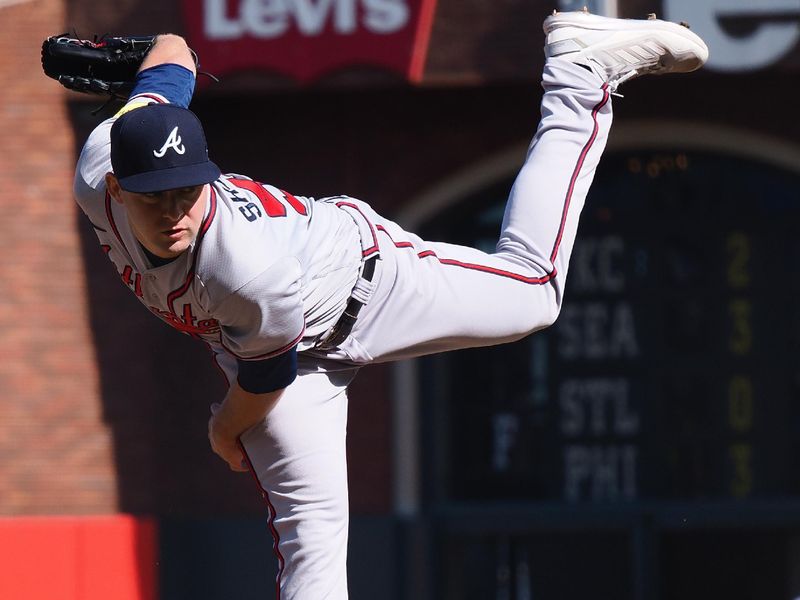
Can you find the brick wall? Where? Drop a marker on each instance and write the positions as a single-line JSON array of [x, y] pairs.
[[55, 452]]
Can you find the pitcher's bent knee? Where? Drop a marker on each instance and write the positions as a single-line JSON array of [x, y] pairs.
[[541, 312]]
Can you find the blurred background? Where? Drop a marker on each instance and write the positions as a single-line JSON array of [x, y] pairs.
[[645, 447]]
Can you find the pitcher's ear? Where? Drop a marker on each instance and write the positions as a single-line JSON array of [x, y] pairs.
[[113, 187]]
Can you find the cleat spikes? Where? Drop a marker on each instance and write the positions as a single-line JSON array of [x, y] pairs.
[[684, 24]]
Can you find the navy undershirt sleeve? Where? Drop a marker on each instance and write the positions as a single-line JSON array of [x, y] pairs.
[[174, 82], [262, 376]]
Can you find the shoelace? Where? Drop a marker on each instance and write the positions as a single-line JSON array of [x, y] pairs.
[[615, 83]]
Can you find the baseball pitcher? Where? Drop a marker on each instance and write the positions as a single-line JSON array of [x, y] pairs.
[[294, 294]]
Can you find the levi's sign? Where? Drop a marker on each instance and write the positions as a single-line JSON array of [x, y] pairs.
[[269, 19], [305, 39]]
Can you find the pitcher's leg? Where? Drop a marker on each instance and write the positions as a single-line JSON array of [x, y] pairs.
[[604, 50], [434, 296], [545, 203], [298, 456]]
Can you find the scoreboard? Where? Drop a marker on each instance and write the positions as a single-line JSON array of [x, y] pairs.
[[673, 371]]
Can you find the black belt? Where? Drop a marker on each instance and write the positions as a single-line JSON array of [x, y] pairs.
[[344, 325]]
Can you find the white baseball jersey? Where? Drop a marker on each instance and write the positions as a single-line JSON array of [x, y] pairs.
[[268, 271]]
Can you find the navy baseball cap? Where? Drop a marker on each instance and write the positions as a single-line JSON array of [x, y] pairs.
[[160, 147]]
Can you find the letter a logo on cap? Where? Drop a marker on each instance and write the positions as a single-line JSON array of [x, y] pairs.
[[174, 142]]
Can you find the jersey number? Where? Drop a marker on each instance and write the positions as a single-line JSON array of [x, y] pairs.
[[272, 205]]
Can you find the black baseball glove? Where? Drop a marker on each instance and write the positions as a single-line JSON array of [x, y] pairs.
[[106, 66]]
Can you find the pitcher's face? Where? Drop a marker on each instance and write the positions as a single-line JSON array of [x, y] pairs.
[[166, 222]]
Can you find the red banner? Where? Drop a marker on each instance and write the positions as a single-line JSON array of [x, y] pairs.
[[79, 558], [305, 39]]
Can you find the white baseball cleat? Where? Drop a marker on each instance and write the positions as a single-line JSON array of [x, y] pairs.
[[621, 49]]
